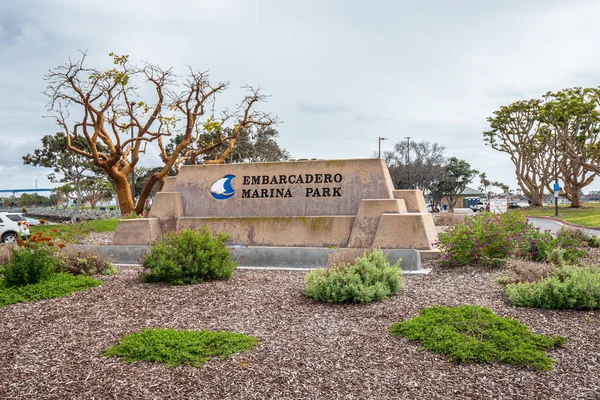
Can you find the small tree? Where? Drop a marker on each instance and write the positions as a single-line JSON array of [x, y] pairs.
[[96, 190], [74, 168], [457, 174]]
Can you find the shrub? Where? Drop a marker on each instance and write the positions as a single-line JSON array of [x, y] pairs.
[[574, 242], [175, 348], [473, 333], [58, 285], [528, 271], [593, 241], [567, 288], [30, 265], [189, 256], [492, 238], [85, 263], [556, 256], [369, 278]]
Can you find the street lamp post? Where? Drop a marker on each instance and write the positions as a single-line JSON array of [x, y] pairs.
[[132, 168], [380, 139], [408, 159], [556, 187]]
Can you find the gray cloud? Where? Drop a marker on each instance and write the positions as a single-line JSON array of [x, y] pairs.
[[431, 70], [323, 109]]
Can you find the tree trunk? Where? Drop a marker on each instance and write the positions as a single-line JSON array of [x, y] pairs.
[[77, 202], [575, 197], [123, 190], [147, 189]]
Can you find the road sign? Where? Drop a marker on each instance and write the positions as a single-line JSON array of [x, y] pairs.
[[498, 205]]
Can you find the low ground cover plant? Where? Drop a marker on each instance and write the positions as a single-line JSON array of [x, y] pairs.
[[57, 285], [173, 347], [189, 256], [368, 278], [490, 239], [473, 333], [567, 288]]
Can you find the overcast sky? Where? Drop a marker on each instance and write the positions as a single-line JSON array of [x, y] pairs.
[[340, 73]]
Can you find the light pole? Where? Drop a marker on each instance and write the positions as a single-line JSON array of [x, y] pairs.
[[132, 168], [408, 159], [556, 187], [380, 139]]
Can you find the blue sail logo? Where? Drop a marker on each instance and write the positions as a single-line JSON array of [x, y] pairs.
[[221, 189]]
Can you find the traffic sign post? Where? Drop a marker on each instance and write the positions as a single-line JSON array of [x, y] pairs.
[[556, 190]]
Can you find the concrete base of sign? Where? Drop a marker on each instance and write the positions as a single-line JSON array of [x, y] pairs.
[[317, 231], [342, 203], [264, 257], [137, 231]]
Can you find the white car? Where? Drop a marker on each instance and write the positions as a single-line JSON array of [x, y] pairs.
[[480, 206], [12, 225]]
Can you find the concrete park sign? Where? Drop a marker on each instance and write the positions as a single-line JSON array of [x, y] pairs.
[[342, 203]]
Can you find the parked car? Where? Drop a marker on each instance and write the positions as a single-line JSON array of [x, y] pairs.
[[12, 225], [480, 206], [513, 204]]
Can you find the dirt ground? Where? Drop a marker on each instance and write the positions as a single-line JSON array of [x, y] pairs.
[[50, 349]]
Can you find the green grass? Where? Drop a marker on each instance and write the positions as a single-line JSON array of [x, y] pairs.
[[101, 225], [473, 333], [588, 214], [174, 348], [59, 285]]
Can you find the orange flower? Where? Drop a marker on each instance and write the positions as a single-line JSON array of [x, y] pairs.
[[62, 245], [54, 230]]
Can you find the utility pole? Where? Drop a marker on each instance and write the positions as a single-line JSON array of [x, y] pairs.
[[408, 159], [380, 139]]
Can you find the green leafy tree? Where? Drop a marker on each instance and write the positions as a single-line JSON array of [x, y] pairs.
[[455, 177], [256, 144], [517, 131], [74, 168], [572, 115]]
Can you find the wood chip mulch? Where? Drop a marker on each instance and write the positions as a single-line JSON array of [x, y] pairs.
[[50, 349]]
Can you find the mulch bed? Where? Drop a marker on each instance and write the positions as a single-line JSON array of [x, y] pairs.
[[50, 349]]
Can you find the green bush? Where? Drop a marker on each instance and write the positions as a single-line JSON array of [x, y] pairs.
[[369, 278], [492, 238], [574, 242], [567, 288], [175, 348], [473, 333], [58, 285], [593, 241], [189, 256], [30, 265]]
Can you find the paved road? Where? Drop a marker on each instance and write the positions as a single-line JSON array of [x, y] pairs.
[[555, 226]]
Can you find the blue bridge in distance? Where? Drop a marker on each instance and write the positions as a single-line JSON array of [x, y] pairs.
[[13, 191]]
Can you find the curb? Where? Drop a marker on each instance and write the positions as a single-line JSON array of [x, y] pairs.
[[563, 222]]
